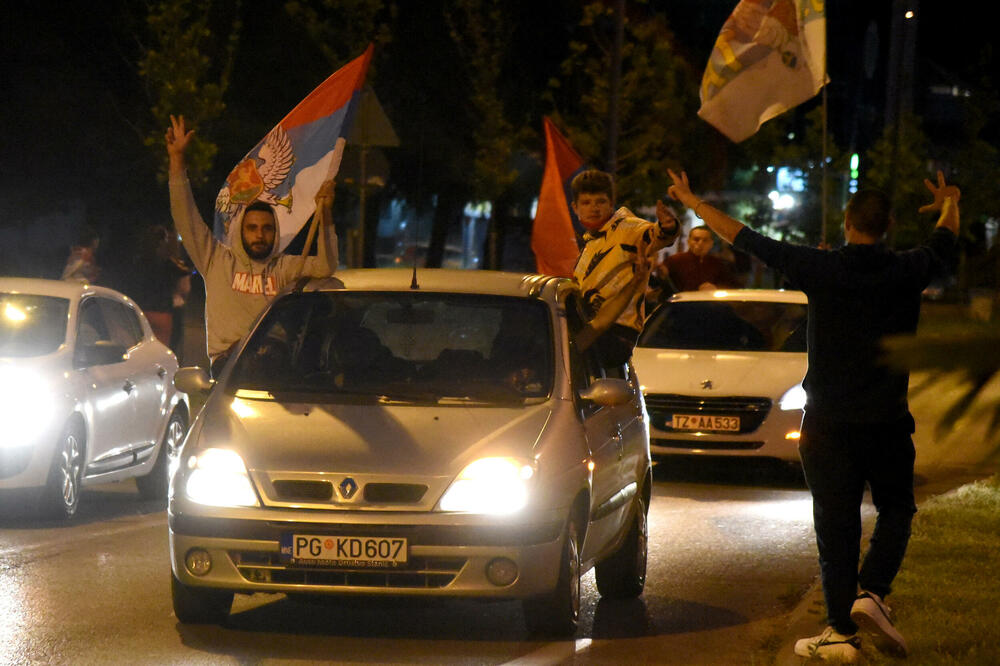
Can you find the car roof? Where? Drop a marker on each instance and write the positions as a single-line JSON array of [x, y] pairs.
[[765, 295], [69, 289], [446, 280]]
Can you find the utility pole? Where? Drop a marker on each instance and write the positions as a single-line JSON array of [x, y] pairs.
[[615, 85]]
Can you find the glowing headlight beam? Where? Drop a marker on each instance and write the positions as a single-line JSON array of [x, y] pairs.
[[218, 477], [794, 398], [494, 486]]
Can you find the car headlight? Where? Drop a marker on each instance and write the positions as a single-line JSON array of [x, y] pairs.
[[218, 477], [794, 398], [490, 485], [27, 406]]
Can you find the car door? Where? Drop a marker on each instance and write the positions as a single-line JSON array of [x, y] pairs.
[[147, 371], [605, 438], [108, 401]]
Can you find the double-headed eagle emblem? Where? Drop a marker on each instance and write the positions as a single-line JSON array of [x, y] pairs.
[[257, 178]]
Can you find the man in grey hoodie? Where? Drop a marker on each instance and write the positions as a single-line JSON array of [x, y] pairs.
[[243, 276]]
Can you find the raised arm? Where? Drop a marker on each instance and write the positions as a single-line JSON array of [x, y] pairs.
[[719, 222], [945, 201], [669, 228], [195, 234], [325, 261]]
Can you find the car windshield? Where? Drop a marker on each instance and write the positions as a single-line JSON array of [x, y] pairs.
[[31, 325], [400, 348], [727, 326]]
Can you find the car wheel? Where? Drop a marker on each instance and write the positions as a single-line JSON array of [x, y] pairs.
[[623, 575], [154, 485], [558, 612], [199, 605], [61, 496]]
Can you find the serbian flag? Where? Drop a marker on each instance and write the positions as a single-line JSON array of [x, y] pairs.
[[769, 57], [287, 167], [553, 238]]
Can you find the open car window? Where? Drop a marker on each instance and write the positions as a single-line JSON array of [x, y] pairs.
[[421, 347], [727, 326], [31, 325]]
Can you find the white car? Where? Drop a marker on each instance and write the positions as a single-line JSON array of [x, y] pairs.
[[86, 395], [431, 435], [722, 373]]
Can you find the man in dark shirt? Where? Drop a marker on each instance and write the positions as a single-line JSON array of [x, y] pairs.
[[697, 268], [857, 426]]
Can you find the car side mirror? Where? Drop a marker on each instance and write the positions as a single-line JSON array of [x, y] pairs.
[[608, 392], [100, 353], [193, 380]]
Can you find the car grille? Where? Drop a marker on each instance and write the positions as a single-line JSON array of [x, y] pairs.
[[662, 407], [303, 490], [394, 493], [707, 444], [418, 573], [322, 491]]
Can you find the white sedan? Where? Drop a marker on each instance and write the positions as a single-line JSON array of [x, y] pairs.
[[722, 373], [86, 395]]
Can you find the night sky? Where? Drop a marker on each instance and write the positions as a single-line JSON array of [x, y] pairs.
[[74, 111]]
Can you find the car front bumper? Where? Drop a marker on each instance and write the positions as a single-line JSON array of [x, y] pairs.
[[448, 556], [776, 437]]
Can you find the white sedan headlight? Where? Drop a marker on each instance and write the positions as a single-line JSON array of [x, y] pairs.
[[794, 398], [27, 406], [218, 477], [490, 485]]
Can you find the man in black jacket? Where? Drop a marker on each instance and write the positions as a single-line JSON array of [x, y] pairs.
[[857, 426]]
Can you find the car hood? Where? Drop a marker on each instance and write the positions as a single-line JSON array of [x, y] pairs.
[[729, 373], [397, 439]]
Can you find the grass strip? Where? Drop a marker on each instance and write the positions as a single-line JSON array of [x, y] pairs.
[[945, 597]]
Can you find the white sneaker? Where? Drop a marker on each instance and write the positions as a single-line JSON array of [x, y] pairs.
[[830, 646], [871, 614]]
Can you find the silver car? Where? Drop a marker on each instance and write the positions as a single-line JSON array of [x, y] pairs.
[[424, 435], [86, 394], [722, 373]]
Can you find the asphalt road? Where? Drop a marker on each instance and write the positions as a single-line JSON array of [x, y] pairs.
[[732, 573], [731, 552]]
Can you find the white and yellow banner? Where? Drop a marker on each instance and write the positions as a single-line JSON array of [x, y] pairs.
[[769, 57]]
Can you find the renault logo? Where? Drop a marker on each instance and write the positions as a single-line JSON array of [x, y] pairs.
[[348, 487], [706, 384]]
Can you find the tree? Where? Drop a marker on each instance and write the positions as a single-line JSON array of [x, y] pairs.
[[186, 70], [898, 165], [795, 140], [657, 107], [482, 31], [342, 29]]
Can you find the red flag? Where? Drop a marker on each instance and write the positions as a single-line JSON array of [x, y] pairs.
[[553, 238]]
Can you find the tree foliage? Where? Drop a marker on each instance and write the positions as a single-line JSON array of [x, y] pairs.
[[342, 29], [481, 31], [898, 165], [186, 70], [795, 140], [657, 106]]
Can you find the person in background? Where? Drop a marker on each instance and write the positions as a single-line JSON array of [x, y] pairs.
[[158, 275], [661, 285], [857, 428], [81, 265], [697, 268]]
